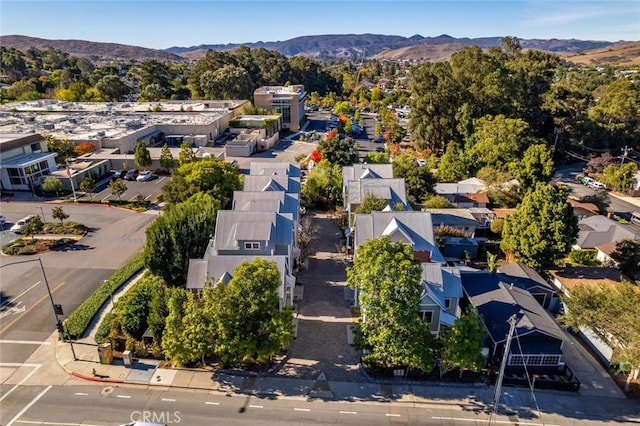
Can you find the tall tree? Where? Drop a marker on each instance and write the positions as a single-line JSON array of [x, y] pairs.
[[324, 185], [627, 254], [462, 344], [210, 176], [180, 234], [112, 88], [542, 229], [336, 150], [117, 187], [453, 166], [59, 214], [535, 167], [174, 345], [389, 278], [251, 328], [166, 158], [88, 184], [186, 154], [612, 313], [142, 157], [620, 177], [418, 181]]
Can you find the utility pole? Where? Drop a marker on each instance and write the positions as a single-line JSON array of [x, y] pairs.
[[625, 152], [503, 364]]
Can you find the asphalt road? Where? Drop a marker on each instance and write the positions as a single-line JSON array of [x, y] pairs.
[[73, 273]]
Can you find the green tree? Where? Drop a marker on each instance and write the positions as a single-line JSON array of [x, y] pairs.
[[174, 345], [251, 328], [186, 154], [198, 330], [142, 157], [51, 184], [59, 214], [437, 202], [371, 203], [542, 229], [62, 147], [336, 150], [389, 279], [180, 234], [323, 186], [453, 166], [418, 181], [462, 344], [627, 254], [158, 312], [210, 176], [133, 307], [117, 187], [166, 158], [112, 89], [620, 177], [535, 167], [33, 227], [88, 184], [228, 82], [612, 313]]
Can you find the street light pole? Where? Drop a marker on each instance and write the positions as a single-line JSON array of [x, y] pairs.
[[59, 325], [42, 211]]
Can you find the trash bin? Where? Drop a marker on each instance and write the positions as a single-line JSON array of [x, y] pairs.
[[127, 358], [105, 352]]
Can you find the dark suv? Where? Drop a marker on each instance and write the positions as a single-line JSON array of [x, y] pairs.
[[131, 174]]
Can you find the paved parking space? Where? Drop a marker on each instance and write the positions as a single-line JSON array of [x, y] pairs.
[[149, 190]]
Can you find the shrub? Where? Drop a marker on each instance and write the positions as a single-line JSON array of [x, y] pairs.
[[102, 334], [79, 320], [583, 257]]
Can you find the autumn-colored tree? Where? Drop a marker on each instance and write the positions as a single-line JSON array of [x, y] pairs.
[[315, 156], [84, 148]]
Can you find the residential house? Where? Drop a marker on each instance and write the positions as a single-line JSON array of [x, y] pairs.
[[566, 279], [604, 251], [273, 168], [455, 248], [363, 171], [537, 339], [439, 303], [391, 190], [464, 192], [583, 210], [289, 184], [526, 278], [597, 230], [288, 101]]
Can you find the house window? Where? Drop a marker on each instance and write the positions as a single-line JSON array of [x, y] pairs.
[[35, 147], [447, 303], [252, 246], [427, 317]]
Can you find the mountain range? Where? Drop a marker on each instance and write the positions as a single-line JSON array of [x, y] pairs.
[[333, 46]]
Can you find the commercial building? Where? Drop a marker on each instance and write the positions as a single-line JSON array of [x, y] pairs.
[[288, 101]]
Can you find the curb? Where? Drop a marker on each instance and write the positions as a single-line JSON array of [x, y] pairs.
[[95, 379]]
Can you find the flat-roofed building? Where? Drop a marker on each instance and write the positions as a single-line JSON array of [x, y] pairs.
[[288, 101]]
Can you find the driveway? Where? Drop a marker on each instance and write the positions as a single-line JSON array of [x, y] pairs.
[[323, 313]]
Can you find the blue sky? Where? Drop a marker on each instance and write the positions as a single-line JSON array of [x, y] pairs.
[[162, 24]]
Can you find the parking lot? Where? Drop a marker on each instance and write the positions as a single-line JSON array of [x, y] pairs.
[[148, 190]]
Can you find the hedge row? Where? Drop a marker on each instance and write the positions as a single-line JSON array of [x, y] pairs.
[[79, 320]]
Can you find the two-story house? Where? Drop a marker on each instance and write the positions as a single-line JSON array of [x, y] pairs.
[[442, 287], [363, 171]]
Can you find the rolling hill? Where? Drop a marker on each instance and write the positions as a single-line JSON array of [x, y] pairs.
[[617, 54]]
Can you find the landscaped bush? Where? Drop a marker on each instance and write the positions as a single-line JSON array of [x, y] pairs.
[[102, 334], [25, 246], [583, 257], [79, 320], [73, 228], [138, 206]]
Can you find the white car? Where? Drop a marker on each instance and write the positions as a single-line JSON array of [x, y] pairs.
[[17, 227], [421, 162], [145, 176]]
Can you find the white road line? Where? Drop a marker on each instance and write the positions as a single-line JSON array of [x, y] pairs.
[[256, 406], [29, 405], [212, 403], [302, 409], [81, 394], [25, 342], [21, 294], [123, 396], [21, 381], [392, 415], [169, 399], [348, 412], [492, 421]]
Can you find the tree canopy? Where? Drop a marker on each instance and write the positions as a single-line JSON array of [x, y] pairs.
[[542, 229]]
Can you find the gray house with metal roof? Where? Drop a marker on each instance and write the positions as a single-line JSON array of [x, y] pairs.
[[597, 230], [391, 190], [357, 172], [256, 183]]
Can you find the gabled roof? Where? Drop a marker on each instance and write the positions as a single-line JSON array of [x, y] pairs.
[[220, 269], [598, 230], [443, 277], [278, 201], [587, 276], [608, 248], [271, 168], [477, 282], [413, 228], [233, 226], [520, 270], [452, 217], [354, 172], [392, 190], [477, 198], [499, 304], [257, 183], [456, 188]]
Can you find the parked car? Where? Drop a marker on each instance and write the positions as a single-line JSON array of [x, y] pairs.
[[118, 174], [421, 162], [586, 180], [17, 227], [598, 186], [131, 174], [379, 149], [145, 176], [378, 139]]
